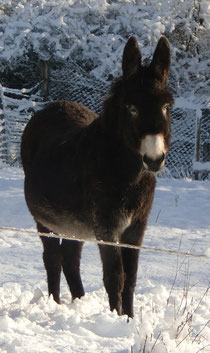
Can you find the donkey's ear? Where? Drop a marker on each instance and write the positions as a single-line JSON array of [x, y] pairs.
[[161, 60], [131, 58]]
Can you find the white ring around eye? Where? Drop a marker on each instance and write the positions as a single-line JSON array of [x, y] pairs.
[[164, 109]]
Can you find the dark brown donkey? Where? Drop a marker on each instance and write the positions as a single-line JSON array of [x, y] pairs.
[[96, 174]]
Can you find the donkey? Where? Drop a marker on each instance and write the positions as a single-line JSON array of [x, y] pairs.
[[89, 174]]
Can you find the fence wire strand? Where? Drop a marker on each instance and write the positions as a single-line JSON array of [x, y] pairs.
[[102, 242]]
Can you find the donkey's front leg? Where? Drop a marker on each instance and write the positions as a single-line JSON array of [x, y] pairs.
[[130, 265], [113, 275], [133, 236]]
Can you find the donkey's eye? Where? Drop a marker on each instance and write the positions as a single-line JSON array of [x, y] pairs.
[[132, 110], [165, 109]]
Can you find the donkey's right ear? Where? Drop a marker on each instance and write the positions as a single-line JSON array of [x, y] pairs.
[[131, 61], [161, 60]]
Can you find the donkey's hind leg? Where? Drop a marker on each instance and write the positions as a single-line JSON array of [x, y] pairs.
[[52, 262], [71, 255]]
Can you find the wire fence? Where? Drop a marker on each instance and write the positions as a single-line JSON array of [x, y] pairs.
[[16, 108], [102, 242]]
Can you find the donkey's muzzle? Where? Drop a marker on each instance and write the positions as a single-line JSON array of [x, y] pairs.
[[154, 165]]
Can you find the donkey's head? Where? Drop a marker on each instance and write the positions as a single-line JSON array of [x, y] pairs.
[[144, 103]]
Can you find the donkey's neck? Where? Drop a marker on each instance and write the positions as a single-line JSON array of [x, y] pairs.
[[111, 153]]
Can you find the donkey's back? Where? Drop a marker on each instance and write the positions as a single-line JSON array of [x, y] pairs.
[[55, 154], [52, 127]]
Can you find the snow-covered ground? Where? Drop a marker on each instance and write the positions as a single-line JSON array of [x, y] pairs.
[[168, 318], [172, 304]]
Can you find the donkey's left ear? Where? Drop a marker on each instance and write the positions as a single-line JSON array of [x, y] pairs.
[[131, 58], [161, 60]]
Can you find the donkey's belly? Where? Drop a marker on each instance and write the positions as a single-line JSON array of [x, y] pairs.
[[76, 219], [68, 225], [64, 223], [80, 226]]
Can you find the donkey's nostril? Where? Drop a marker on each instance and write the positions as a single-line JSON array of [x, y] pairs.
[[153, 165]]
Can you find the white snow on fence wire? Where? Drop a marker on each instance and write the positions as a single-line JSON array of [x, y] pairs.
[[201, 166]]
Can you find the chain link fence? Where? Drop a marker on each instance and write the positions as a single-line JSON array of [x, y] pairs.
[[16, 108], [190, 126]]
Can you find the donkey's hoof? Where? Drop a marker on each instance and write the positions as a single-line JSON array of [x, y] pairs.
[[57, 299], [118, 309]]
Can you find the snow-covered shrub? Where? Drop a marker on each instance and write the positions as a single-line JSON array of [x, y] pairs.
[[172, 326], [93, 34]]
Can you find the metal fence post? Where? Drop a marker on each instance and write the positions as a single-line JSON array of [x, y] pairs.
[[3, 140], [198, 138], [45, 75]]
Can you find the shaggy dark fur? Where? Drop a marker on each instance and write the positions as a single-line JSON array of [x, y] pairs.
[[84, 174]]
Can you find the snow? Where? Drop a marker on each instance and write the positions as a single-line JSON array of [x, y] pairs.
[[198, 166], [94, 33], [205, 11], [172, 303]]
